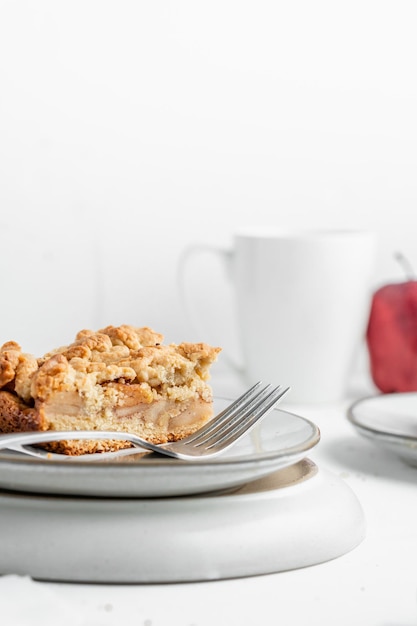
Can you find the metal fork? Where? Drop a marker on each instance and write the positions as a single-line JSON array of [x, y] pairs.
[[217, 435]]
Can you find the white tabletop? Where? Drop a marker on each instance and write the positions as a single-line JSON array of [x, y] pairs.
[[375, 584]]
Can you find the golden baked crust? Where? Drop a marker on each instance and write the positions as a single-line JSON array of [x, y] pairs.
[[119, 378]]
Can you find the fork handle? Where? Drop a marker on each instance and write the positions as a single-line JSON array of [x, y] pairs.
[[35, 437]]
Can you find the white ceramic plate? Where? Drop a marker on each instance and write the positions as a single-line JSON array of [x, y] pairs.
[[296, 517], [280, 440], [390, 421]]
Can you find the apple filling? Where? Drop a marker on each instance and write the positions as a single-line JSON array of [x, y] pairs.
[[119, 379]]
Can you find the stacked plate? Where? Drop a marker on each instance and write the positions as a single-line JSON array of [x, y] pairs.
[[261, 507]]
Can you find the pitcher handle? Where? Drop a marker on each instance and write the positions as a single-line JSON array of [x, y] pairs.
[[186, 257]]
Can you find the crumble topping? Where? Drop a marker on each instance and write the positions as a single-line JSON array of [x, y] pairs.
[[98, 366]]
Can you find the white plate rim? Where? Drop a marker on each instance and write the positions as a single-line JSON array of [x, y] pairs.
[[205, 476], [378, 433]]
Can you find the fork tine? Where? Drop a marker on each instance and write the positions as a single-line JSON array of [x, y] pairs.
[[220, 426], [249, 419], [224, 415]]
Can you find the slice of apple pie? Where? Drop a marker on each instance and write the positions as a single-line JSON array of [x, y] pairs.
[[119, 379]]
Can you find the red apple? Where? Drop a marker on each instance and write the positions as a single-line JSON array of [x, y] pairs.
[[392, 336]]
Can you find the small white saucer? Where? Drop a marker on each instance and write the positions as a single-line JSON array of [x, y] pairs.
[[390, 421], [295, 517]]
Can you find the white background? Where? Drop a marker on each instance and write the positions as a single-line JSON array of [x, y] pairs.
[[131, 129]]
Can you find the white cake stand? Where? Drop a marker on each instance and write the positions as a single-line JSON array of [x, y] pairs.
[[296, 517]]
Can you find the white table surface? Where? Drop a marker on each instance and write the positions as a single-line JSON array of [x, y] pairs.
[[373, 585]]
